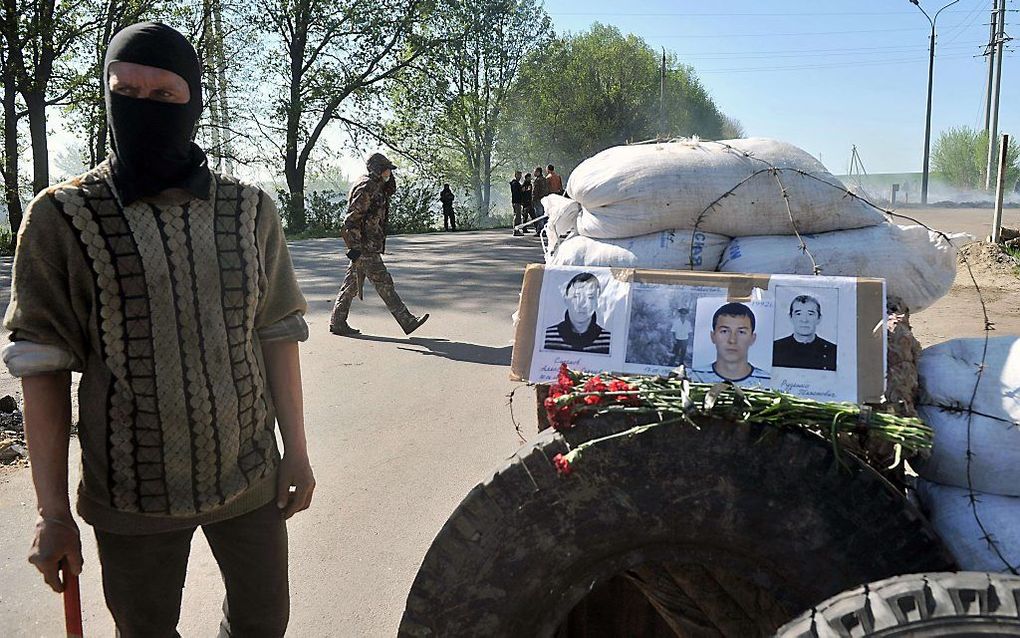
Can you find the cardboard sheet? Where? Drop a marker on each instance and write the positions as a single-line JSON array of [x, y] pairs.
[[817, 337]]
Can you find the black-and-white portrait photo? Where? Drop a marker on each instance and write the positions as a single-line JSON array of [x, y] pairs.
[[806, 328], [662, 325], [580, 331]]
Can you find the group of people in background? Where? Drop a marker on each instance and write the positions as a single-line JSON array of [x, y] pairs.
[[526, 196]]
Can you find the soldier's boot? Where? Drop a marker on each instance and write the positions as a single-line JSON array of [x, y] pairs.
[[408, 322], [338, 319]]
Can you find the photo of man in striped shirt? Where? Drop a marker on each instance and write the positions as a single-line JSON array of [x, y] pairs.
[[579, 331]]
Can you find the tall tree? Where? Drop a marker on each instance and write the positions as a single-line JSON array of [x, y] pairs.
[[41, 35], [450, 108], [328, 58], [10, 165], [601, 88]]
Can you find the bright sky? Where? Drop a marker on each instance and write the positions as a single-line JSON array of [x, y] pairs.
[[825, 75]]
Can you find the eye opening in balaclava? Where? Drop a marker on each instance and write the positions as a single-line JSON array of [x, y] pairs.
[[152, 147]]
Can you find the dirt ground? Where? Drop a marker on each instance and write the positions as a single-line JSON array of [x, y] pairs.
[[995, 280]]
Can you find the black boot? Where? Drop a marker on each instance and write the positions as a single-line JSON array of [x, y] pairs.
[[343, 329], [410, 323]]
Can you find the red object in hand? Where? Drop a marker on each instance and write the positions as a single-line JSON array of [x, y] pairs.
[[72, 604]]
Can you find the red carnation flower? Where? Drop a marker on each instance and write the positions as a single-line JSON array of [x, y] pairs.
[[563, 467], [593, 399]]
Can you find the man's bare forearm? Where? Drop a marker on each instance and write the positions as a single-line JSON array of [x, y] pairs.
[[48, 431], [283, 369]]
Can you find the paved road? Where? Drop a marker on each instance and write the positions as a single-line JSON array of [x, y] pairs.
[[400, 429]]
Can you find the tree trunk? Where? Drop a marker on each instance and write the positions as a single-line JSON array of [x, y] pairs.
[[11, 195], [297, 220], [36, 103], [487, 181]]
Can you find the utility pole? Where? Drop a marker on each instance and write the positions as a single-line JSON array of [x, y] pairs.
[[927, 117], [993, 132], [990, 54]]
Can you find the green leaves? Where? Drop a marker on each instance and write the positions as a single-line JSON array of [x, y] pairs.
[[600, 88], [959, 158]]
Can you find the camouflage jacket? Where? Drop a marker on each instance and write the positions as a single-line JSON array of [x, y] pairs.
[[368, 209]]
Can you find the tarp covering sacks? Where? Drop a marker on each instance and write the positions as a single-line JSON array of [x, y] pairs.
[[644, 188], [919, 266], [667, 250], [953, 518], [948, 373]]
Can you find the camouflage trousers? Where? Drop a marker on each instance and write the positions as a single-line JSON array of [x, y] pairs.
[[371, 266]]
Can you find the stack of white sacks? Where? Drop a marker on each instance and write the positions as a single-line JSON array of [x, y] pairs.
[[716, 206], [959, 489]]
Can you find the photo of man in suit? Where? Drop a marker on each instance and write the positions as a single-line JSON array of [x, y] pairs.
[[804, 348], [579, 331]]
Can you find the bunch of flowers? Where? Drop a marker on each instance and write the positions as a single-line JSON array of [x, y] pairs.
[[659, 401]]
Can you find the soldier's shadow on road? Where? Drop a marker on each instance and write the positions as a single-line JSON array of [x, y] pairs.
[[453, 350]]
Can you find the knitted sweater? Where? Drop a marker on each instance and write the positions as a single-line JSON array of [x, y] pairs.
[[162, 305]]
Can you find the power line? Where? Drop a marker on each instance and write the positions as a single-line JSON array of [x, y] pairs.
[[813, 53], [772, 35], [683, 14], [827, 66]]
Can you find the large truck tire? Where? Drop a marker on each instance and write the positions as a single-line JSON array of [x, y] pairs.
[[917, 605], [746, 526]]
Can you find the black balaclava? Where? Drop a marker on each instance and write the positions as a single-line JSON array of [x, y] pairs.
[[152, 147]]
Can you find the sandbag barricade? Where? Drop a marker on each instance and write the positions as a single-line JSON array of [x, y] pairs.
[[973, 473], [666, 250], [948, 373], [919, 265], [644, 188], [953, 516]]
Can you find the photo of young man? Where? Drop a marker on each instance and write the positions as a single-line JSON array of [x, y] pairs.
[[804, 348], [733, 334], [580, 331]]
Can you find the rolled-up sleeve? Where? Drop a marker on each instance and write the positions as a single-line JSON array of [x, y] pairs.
[[50, 296]]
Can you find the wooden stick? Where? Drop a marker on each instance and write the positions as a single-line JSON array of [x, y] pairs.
[[72, 604]]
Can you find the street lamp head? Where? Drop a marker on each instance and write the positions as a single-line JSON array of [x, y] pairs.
[[915, 2]]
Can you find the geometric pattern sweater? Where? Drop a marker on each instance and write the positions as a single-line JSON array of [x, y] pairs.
[[162, 305]]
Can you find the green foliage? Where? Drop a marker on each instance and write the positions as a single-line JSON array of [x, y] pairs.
[[959, 158], [586, 92], [449, 108], [413, 207], [7, 242]]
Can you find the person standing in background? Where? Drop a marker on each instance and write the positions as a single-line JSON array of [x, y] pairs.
[[517, 201], [446, 197], [527, 199], [555, 181], [539, 190]]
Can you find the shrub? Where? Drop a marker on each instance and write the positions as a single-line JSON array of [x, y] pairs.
[[6, 242]]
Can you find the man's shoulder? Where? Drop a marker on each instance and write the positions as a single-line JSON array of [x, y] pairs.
[[365, 183]]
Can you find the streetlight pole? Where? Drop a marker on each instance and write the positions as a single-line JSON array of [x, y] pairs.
[[927, 117]]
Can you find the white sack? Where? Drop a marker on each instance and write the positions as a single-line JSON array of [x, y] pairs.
[[561, 219], [643, 188], [665, 250], [948, 373], [919, 266], [952, 517]]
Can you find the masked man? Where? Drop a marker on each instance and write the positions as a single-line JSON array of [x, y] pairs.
[[364, 232], [170, 289]]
